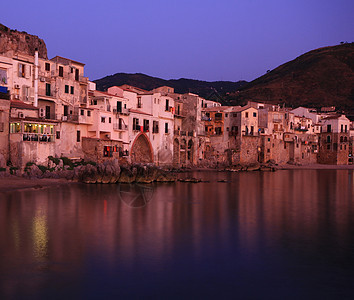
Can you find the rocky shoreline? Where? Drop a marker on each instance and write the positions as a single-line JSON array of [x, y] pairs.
[[62, 170]]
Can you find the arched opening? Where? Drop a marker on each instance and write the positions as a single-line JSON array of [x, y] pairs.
[[183, 152], [190, 151], [141, 151], [176, 153]]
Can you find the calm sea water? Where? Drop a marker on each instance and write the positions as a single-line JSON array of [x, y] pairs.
[[281, 235]]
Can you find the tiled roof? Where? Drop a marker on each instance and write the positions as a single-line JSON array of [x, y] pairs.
[[22, 105], [139, 112]]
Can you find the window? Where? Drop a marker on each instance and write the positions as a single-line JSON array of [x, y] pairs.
[[218, 116], [155, 127], [66, 110], [166, 127], [15, 127], [246, 114], [255, 114], [226, 115], [346, 128], [139, 102], [21, 70], [341, 128], [47, 89], [146, 125], [77, 74], [78, 136], [82, 112], [136, 124], [103, 119], [167, 108], [119, 107], [109, 120], [66, 89], [227, 129], [108, 151], [218, 130], [89, 113], [72, 90], [328, 138], [61, 71], [47, 66], [329, 128], [58, 135]]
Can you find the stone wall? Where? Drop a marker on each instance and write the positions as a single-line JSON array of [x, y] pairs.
[[22, 152], [4, 132], [249, 149], [336, 151], [94, 149]]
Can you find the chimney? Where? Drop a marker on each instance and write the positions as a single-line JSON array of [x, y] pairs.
[[36, 78]]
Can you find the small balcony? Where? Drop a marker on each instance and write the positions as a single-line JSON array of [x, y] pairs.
[[70, 118], [38, 137], [122, 111], [120, 127]]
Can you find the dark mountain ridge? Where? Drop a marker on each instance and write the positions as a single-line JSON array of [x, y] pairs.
[[322, 77], [182, 85]]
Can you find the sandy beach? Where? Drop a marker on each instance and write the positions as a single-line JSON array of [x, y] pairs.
[[12, 183]]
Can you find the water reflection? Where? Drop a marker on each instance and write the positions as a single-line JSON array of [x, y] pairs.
[[256, 227]]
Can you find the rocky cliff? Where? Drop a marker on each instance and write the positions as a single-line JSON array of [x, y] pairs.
[[21, 42]]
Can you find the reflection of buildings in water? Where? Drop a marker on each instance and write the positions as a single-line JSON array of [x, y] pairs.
[[40, 235], [270, 204], [76, 223], [297, 204]]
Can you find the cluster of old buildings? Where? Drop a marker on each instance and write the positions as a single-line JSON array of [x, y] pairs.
[[49, 108]]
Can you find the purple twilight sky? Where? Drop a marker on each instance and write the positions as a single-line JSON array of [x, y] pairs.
[[198, 39]]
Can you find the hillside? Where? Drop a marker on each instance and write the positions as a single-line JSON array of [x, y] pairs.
[[202, 88], [322, 77], [21, 42]]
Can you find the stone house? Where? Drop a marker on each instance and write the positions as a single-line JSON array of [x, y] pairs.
[[151, 126], [334, 140], [189, 136]]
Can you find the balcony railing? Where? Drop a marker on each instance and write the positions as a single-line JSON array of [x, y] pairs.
[[123, 111], [38, 137], [120, 126], [70, 118]]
